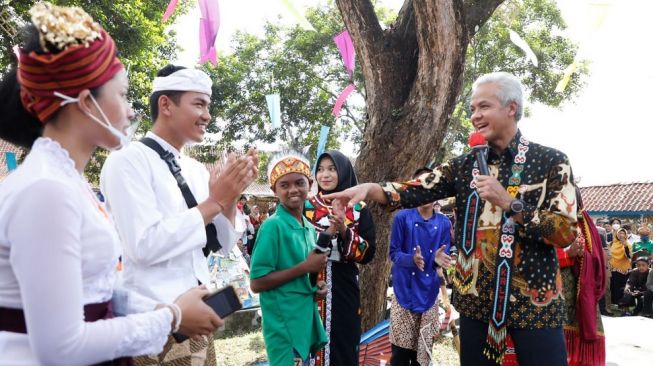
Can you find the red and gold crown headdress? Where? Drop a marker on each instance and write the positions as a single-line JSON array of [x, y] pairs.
[[287, 162], [87, 58]]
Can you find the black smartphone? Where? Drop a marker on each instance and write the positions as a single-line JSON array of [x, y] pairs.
[[224, 302]]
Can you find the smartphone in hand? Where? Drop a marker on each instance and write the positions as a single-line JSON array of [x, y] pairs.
[[224, 302]]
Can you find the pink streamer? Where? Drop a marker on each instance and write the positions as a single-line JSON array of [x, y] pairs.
[[209, 26], [346, 48], [341, 99], [169, 10]]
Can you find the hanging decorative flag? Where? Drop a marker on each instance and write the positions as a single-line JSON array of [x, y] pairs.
[[209, 26], [519, 42], [346, 48], [274, 107], [562, 84], [169, 10], [10, 158], [341, 99], [597, 12], [299, 17], [324, 134]]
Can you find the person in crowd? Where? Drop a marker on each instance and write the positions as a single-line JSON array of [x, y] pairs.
[[272, 208], [243, 206], [65, 98], [647, 309], [354, 242], [619, 264], [255, 218], [609, 232], [170, 211], [632, 238], [283, 258], [643, 247], [509, 224], [419, 245], [636, 286], [602, 233]]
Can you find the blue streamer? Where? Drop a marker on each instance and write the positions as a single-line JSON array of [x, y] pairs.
[[324, 134], [274, 107]]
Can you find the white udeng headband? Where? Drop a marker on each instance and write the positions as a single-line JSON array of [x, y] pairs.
[[184, 80]]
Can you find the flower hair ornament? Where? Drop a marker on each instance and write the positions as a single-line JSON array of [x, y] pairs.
[[76, 54]]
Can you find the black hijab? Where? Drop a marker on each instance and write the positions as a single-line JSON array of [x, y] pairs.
[[346, 175]]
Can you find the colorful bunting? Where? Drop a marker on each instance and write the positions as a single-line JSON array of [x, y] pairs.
[[10, 158], [171, 9], [341, 99], [346, 48], [519, 42], [324, 134], [274, 107], [562, 84], [299, 17], [209, 26]]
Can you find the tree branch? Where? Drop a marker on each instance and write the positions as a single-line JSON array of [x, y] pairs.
[[404, 27], [361, 22], [477, 12]]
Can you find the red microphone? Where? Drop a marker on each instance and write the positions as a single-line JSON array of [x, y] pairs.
[[479, 149]]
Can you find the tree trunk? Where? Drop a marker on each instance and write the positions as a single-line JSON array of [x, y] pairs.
[[413, 73]]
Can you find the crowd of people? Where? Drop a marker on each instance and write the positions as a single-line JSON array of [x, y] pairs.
[[629, 256], [131, 270]]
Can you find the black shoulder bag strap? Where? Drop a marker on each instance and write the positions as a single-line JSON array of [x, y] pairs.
[[212, 243]]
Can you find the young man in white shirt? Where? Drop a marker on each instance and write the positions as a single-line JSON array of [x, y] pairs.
[[163, 238]]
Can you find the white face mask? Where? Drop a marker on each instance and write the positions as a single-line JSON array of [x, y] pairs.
[[616, 226], [124, 139]]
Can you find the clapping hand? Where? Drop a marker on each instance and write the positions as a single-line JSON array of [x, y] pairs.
[[418, 259], [443, 259]]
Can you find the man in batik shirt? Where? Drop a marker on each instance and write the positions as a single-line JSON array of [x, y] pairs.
[[509, 225]]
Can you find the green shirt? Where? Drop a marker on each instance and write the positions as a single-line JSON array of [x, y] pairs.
[[643, 245], [290, 316]]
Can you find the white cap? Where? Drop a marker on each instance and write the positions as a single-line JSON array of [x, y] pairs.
[[184, 80]]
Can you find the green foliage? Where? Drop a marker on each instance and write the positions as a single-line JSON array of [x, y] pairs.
[[306, 69], [144, 44], [540, 24]]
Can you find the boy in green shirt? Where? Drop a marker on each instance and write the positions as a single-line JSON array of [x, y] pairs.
[[644, 247], [281, 262]]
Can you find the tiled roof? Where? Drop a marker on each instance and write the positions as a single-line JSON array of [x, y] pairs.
[[7, 147], [259, 190], [633, 198]]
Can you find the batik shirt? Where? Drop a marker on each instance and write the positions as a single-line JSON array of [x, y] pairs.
[[352, 248], [549, 218]]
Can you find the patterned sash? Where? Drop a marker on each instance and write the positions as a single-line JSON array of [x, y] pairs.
[[496, 338]]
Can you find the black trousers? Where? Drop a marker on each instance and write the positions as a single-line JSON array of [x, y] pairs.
[[403, 357], [648, 303], [534, 347], [630, 300]]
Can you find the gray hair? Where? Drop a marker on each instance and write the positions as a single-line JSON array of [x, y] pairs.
[[510, 89]]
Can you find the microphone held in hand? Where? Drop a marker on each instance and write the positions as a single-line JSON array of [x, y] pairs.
[[323, 245], [479, 149]]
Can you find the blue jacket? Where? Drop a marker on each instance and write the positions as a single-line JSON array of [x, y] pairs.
[[416, 290]]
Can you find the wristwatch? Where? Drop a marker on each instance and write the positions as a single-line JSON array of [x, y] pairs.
[[516, 206]]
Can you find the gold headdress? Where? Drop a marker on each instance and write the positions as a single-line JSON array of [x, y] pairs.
[[287, 162]]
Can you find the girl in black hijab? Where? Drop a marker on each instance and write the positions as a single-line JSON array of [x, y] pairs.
[[353, 243]]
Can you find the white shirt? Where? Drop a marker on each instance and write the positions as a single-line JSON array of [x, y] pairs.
[[58, 252], [162, 237]]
